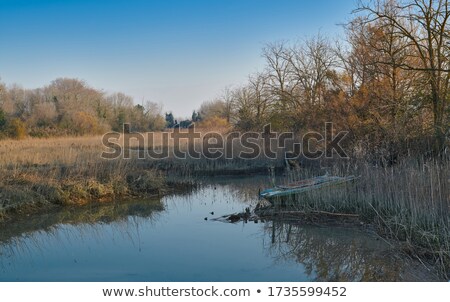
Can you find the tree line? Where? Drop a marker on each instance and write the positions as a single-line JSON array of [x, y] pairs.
[[71, 107], [387, 82]]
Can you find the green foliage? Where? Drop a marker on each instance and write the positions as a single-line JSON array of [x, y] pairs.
[[196, 117], [120, 120], [170, 121], [2, 120]]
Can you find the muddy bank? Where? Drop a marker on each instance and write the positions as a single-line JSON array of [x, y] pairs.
[[48, 218], [26, 193]]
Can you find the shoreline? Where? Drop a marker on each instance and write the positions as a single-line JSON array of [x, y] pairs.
[[25, 195], [51, 216], [378, 198]]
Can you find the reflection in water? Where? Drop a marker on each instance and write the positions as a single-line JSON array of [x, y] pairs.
[[336, 254], [29, 237], [169, 240]]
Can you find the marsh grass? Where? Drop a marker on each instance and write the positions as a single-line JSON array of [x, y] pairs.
[[408, 201], [67, 171], [338, 253], [79, 184]]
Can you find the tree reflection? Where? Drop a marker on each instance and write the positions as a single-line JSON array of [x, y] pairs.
[[23, 235], [338, 253]]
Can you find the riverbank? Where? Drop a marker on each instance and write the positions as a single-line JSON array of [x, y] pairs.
[[408, 202], [63, 171], [26, 190], [139, 240]]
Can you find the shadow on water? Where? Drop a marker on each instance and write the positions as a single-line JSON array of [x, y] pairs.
[[26, 234], [341, 254], [169, 240], [91, 214]]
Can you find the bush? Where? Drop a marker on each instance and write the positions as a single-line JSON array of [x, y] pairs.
[[213, 122], [81, 123], [16, 129]]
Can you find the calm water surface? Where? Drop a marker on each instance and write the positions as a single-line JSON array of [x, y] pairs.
[[170, 240]]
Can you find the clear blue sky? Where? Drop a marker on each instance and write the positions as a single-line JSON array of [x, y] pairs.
[[178, 53]]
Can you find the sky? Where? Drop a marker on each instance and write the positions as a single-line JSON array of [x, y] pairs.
[[173, 52]]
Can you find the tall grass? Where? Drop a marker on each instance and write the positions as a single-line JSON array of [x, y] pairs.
[[40, 172], [409, 202]]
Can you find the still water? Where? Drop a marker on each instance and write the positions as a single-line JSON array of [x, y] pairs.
[[170, 240]]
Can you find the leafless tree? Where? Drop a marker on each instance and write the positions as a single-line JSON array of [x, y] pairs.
[[425, 24], [311, 63], [279, 72]]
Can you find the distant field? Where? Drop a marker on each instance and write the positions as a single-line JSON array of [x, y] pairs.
[[58, 150], [42, 151], [62, 150]]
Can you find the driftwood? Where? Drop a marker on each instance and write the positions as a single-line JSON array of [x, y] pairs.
[[317, 212], [265, 213]]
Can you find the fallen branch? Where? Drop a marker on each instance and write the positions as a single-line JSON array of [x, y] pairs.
[[314, 212]]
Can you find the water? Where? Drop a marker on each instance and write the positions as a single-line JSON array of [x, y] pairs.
[[170, 240]]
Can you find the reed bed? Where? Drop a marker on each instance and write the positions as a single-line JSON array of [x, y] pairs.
[[36, 173], [408, 202]]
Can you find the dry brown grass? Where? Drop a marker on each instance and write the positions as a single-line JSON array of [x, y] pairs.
[[408, 202], [69, 150], [70, 170], [67, 170], [44, 151], [56, 151]]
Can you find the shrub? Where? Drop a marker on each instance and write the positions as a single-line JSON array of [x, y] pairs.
[[213, 122], [80, 123], [2, 120], [16, 129]]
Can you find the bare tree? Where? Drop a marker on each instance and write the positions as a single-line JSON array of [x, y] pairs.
[[311, 63], [259, 87], [424, 23], [245, 109], [227, 98], [279, 72]]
